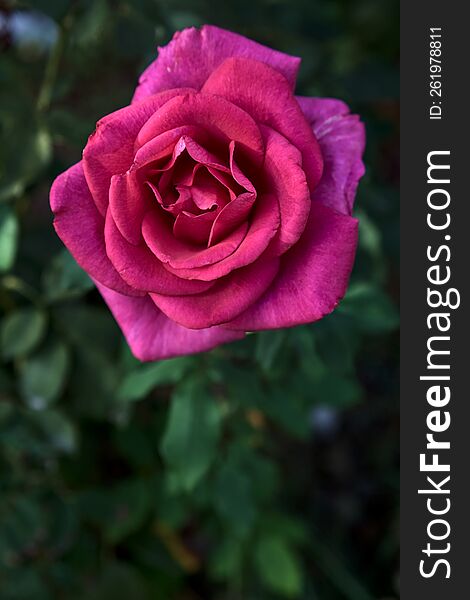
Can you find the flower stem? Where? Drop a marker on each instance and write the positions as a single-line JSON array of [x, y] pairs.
[[52, 66]]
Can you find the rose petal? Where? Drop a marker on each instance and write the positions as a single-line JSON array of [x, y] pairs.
[[266, 95], [286, 180], [110, 149], [152, 336], [193, 54], [81, 227], [141, 269], [194, 229], [168, 144], [224, 120], [264, 224], [342, 139], [129, 200], [236, 172], [312, 278], [225, 180], [181, 255], [224, 301], [207, 193], [231, 217]]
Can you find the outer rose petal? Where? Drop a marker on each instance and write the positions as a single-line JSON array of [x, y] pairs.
[[110, 149], [266, 96], [313, 276], [224, 301], [193, 54], [81, 227], [152, 336], [342, 139]]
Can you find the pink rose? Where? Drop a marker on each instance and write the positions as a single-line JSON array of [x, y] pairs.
[[217, 202]]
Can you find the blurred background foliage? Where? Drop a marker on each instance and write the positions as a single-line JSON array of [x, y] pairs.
[[266, 469]]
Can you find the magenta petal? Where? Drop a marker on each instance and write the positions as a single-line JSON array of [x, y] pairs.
[[263, 227], [195, 229], [342, 138], [168, 144], [181, 255], [129, 200], [81, 227], [206, 191], [313, 276], [224, 301], [222, 119], [266, 95], [152, 336], [237, 173], [110, 149], [287, 181], [141, 269], [230, 217], [192, 55]]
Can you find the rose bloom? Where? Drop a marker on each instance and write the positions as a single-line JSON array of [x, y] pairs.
[[217, 202]]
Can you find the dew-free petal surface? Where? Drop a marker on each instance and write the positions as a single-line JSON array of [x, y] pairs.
[[313, 276], [263, 227], [192, 55], [181, 255], [110, 149], [141, 269], [224, 301], [152, 336], [81, 227], [266, 95], [341, 136], [222, 119], [129, 200], [287, 182]]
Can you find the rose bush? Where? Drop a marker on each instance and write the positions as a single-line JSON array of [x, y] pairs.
[[217, 202]]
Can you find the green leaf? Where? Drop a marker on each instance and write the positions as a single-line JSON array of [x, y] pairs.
[[190, 438], [20, 524], [292, 416], [118, 581], [22, 583], [21, 331], [54, 8], [278, 567], [268, 345], [128, 507], [233, 498], [134, 443], [65, 279], [63, 523], [333, 389], [58, 430], [93, 24], [88, 326], [8, 238], [226, 560], [369, 308], [28, 154], [369, 235], [139, 383], [42, 375]]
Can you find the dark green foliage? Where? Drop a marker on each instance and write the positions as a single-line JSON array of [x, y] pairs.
[[263, 470]]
